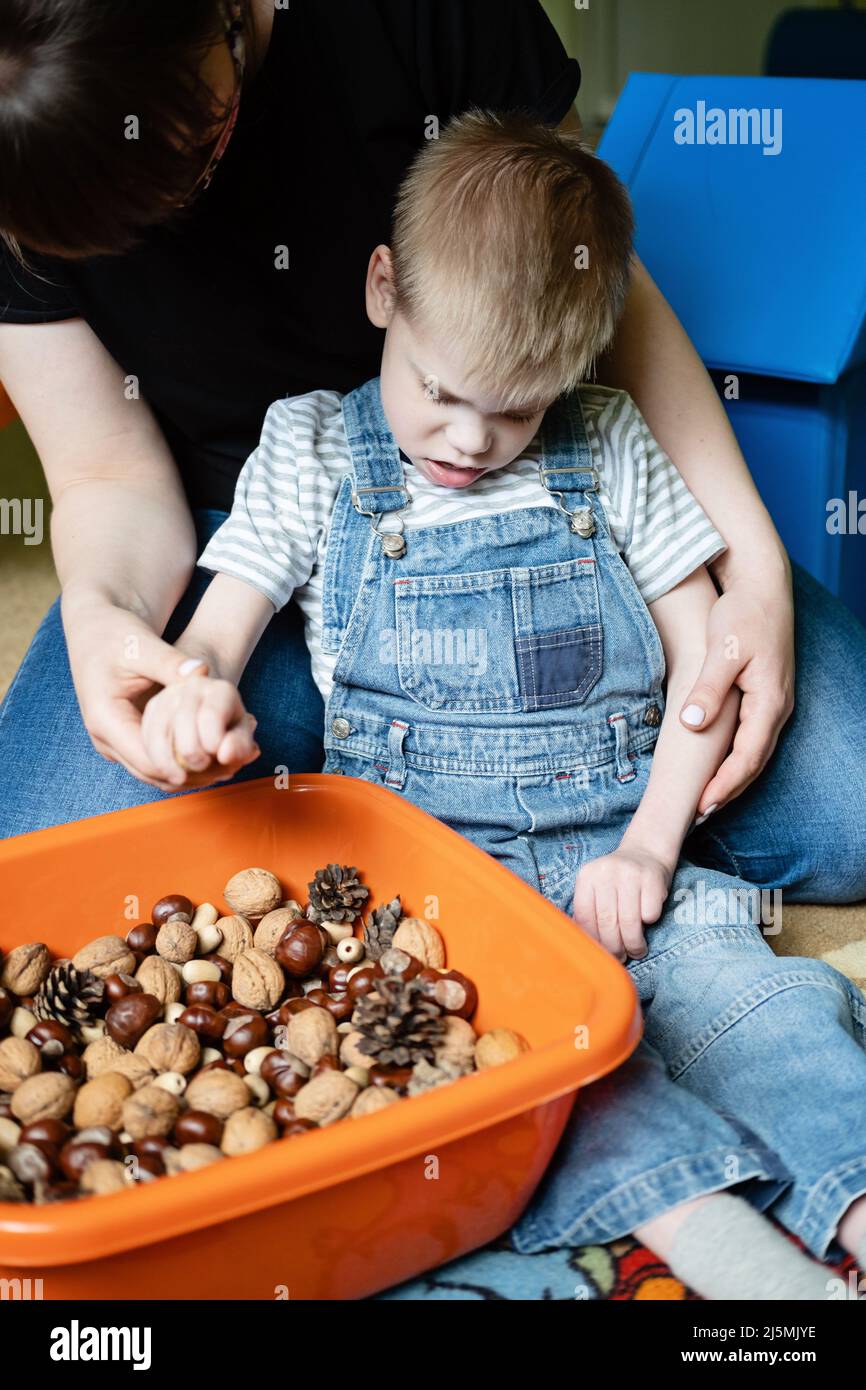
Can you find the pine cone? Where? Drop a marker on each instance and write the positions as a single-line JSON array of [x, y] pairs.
[[336, 894], [70, 996], [380, 927], [399, 1022], [426, 1075]]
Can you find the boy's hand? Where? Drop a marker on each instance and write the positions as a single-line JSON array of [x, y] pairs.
[[197, 732], [615, 895]]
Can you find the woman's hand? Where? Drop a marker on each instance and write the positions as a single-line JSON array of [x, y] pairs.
[[198, 726], [750, 643], [616, 894], [117, 663]]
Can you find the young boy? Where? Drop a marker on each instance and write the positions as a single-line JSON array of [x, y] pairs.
[[499, 568]]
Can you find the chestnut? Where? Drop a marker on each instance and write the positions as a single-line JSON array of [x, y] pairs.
[[243, 1032], [142, 938], [224, 966], [128, 1020], [339, 1006], [300, 950], [294, 1006], [284, 1113], [118, 986], [41, 1132], [32, 1162], [197, 1127], [7, 1008], [71, 1065], [397, 962], [74, 1157], [211, 992], [397, 1078], [454, 993], [151, 1146], [297, 1127], [173, 905], [277, 1071], [52, 1038], [362, 982], [338, 978], [204, 1020]]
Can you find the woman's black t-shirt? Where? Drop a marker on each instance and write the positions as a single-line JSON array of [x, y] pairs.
[[204, 316]]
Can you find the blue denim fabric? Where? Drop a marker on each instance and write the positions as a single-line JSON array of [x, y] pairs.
[[504, 674]]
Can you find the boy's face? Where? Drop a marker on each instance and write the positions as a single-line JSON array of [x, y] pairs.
[[452, 435]]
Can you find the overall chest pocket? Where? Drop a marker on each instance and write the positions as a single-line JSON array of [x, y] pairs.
[[500, 640]]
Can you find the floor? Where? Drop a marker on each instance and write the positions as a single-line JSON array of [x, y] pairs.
[[28, 586]]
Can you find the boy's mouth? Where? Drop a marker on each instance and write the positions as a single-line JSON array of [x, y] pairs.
[[449, 475]]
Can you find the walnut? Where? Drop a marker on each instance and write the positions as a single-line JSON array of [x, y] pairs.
[[374, 1098], [177, 941], [421, 940], [135, 1069], [159, 978], [150, 1111], [457, 1044], [100, 1102], [107, 955], [350, 1055], [169, 1047], [311, 1034], [190, 1157], [48, 1096], [246, 1130], [104, 1175], [253, 893], [498, 1046], [237, 936], [272, 927], [101, 1056], [19, 1059], [257, 980], [219, 1092], [25, 968], [327, 1097]]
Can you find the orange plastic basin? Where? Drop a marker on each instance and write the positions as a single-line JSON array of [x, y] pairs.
[[363, 1204]]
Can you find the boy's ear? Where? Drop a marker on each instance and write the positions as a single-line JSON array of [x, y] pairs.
[[380, 288]]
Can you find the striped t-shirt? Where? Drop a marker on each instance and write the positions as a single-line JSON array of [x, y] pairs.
[[276, 536]]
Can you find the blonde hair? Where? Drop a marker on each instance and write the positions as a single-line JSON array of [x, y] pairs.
[[486, 244]]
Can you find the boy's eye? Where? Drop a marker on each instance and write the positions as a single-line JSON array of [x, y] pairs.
[[449, 400]]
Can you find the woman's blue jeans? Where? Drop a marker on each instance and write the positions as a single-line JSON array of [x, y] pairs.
[[800, 827]]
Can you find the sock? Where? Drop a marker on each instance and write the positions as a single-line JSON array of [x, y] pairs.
[[727, 1251]]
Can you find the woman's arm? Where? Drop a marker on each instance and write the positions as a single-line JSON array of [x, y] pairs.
[[653, 359], [122, 535]]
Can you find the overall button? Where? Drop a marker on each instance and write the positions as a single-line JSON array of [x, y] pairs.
[[341, 728], [582, 522], [653, 716], [393, 545]]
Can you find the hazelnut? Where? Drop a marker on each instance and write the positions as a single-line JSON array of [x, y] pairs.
[[26, 968], [257, 980], [107, 955], [219, 1092], [372, 1099], [149, 1111], [273, 926], [311, 1035], [326, 1097], [129, 1019], [237, 936], [19, 1060], [169, 1047], [102, 1176], [159, 978], [174, 905], [100, 1102], [421, 940], [48, 1096], [300, 950], [498, 1046], [177, 941], [253, 893], [246, 1130], [457, 1044]]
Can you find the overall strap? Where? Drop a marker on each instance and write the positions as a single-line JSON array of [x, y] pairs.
[[566, 469], [379, 485]]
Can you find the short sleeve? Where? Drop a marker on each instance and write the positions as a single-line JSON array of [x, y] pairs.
[[270, 538], [659, 526], [500, 55], [40, 295]]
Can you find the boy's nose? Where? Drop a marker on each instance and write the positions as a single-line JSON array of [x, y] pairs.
[[469, 441]]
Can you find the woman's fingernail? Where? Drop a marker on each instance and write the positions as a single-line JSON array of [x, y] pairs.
[[189, 666], [708, 812], [693, 715]]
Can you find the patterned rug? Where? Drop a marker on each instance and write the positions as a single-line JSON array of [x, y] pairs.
[[621, 1272]]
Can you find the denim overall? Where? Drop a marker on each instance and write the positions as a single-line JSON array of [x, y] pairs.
[[504, 674]]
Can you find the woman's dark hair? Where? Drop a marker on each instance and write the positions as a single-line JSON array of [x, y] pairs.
[[72, 74]]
